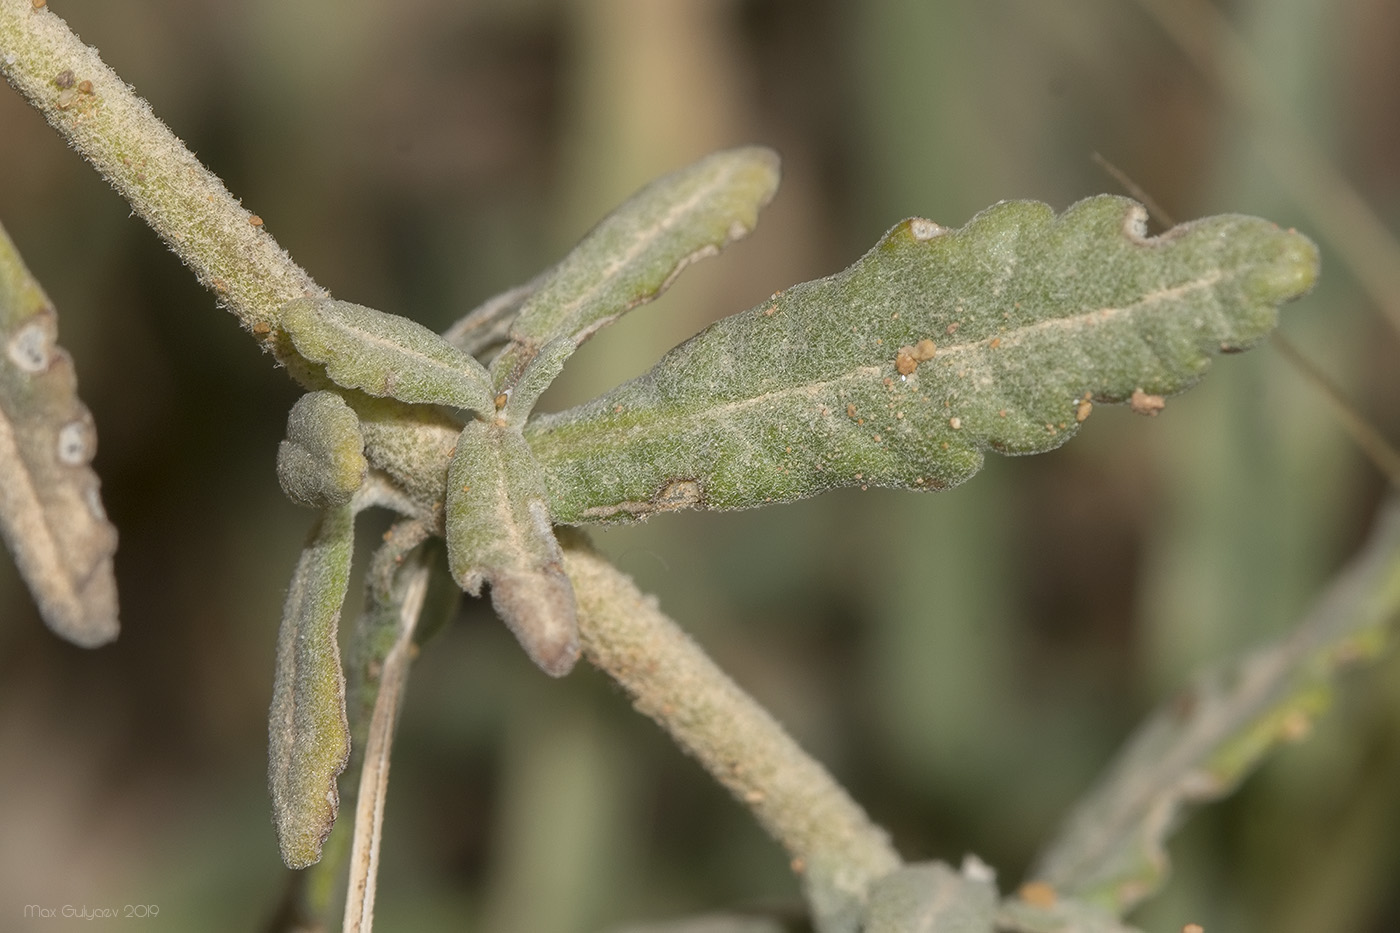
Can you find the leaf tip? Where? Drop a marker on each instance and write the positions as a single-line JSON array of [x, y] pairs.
[[1290, 273], [539, 610]]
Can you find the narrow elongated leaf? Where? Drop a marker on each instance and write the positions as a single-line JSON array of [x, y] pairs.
[[385, 355], [931, 898], [936, 346], [51, 514], [635, 252], [1199, 746], [322, 461], [308, 736], [499, 532]]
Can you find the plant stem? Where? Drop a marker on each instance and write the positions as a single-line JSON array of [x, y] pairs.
[[672, 680], [624, 634], [225, 246]]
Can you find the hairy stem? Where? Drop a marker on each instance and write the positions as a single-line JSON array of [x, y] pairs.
[[671, 680], [225, 246]]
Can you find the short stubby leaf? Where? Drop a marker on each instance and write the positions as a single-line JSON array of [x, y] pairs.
[[935, 347], [322, 461], [51, 514], [499, 532], [308, 735], [635, 252], [385, 354]]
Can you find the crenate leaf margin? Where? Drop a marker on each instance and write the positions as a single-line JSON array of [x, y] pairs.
[[935, 347], [308, 733], [385, 355]]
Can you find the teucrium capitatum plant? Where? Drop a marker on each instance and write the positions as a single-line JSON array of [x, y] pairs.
[[901, 371]]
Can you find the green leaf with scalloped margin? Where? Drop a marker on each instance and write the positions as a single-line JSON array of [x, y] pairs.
[[51, 514], [385, 354], [935, 347], [308, 735], [931, 897], [322, 461], [499, 532], [634, 253], [1111, 850]]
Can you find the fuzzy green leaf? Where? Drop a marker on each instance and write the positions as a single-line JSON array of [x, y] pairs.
[[635, 252], [931, 898], [1198, 747], [308, 736], [51, 514], [936, 346], [499, 532], [385, 355], [322, 461]]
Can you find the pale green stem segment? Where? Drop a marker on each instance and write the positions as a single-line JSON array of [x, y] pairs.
[[308, 735], [833, 843], [51, 514], [385, 355], [634, 253], [1201, 744], [322, 462], [935, 347], [499, 533], [224, 245]]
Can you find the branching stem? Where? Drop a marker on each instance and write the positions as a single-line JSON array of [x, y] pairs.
[[230, 252]]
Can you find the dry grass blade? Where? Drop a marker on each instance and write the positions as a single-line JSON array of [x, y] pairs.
[[374, 773]]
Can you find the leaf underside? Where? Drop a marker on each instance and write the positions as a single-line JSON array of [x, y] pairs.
[[385, 355], [51, 513], [1200, 745], [634, 253], [499, 532], [308, 735], [935, 347]]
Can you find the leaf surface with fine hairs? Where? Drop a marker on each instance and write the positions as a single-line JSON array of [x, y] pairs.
[[634, 253], [385, 354], [936, 346], [308, 735]]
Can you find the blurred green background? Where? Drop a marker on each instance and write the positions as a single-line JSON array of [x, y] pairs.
[[965, 662]]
